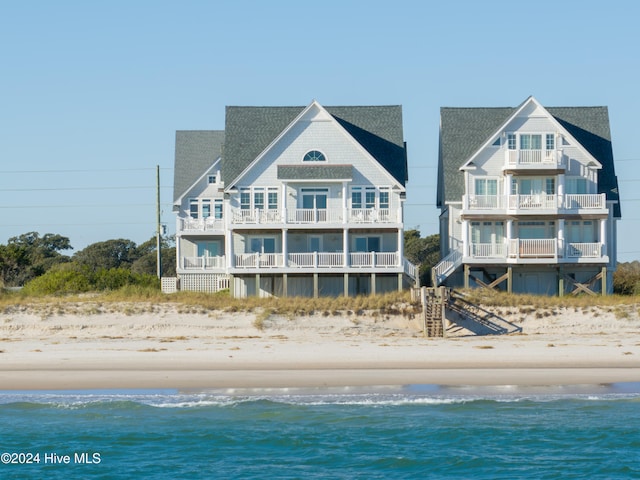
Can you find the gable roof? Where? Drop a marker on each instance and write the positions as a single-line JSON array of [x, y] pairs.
[[250, 130], [196, 151], [464, 130]]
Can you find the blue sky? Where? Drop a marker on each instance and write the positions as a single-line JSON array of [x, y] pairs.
[[93, 92]]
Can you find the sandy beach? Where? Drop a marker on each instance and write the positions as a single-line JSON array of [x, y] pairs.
[[102, 346]]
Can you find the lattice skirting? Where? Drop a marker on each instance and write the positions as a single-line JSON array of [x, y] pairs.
[[169, 284], [204, 282]]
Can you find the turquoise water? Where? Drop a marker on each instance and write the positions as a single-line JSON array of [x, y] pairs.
[[410, 432]]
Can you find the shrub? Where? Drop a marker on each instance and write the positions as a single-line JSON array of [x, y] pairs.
[[58, 282]]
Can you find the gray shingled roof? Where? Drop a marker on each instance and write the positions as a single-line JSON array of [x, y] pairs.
[[195, 153], [464, 130], [249, 130], [311, 172]]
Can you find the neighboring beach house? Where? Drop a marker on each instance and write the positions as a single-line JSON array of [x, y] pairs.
[[291, 201], [528, 198]]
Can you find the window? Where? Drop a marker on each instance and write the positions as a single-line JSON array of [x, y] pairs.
[[367, 244], [356, 198], [576, 185], [550, 141], [245, 199], [550, 186], [530, 141], [314, 198], [314, 156], [370, 198], [211, 179], [272, 199], [262, 245], [193, 207], [486, 186], [511, 141], [384, 199], [208, 249], [206, 208], [258, 200], [217, 208]]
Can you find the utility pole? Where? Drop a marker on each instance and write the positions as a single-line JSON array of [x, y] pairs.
[[158, 226]]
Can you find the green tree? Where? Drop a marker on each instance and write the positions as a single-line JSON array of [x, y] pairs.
[[147, 261], [423, 252], [29, 255], [108, 254]]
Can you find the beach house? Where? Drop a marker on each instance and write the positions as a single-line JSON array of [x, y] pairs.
[[528, 199], [288, 201]]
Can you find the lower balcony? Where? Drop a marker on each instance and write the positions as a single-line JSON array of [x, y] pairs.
[[313, 260], [523, 250], [203, 263]]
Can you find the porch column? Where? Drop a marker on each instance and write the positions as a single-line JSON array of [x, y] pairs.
[[284, 202], [561, 248], [285, 248], [507, 188], [603, 236], [465, 238], [344, 202], [345, 247], [561, 190], [400, 247], [509, 234], [228, 249]]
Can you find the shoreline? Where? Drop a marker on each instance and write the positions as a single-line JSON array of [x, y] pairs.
[[166, 348], [55, 379]]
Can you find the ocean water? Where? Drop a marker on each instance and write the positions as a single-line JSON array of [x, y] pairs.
[[420, 431]]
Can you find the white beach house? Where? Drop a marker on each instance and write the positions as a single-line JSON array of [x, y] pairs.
[[293, 201], [528, 199]]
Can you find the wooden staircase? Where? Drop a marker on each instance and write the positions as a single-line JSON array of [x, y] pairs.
[[434, 302]]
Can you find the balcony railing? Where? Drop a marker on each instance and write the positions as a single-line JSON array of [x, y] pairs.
[[542, 201], [314, 216], [319, 260], [585, 201], [534, 158], [203, 263], [488, 250], [533, 248], [584, 250], [200, 224]]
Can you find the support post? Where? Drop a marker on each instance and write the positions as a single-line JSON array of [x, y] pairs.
[[509, 279], [257, 284], [603, 281], [315, 285], [467, 273], [560, 281], [400, 277], [345, 284], [285, 284], [373, 284]]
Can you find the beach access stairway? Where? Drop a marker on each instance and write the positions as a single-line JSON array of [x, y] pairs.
[[446, 310]]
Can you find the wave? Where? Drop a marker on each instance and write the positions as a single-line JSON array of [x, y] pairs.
[[232, 399]]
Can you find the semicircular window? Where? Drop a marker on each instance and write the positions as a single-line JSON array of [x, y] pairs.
[[314, 156]]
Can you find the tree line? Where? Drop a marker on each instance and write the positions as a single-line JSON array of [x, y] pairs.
[[30, 256]]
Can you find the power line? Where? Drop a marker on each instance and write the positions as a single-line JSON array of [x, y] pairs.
[[60, 189], [86, 170]]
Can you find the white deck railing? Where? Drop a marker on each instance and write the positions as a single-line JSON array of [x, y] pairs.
[[585, 201], [312, 215], [259, 260], [447, 266], [488, 250], [200, 224], [584, 250], [316, 259], [533, 247], [203, 263], [534, 157], [540, 201]]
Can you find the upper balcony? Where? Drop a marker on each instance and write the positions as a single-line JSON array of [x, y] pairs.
[[536, 160], [535, 204], [204, 226], [313, 216]]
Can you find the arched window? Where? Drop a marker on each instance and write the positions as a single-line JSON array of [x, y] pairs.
[[314, 156]]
